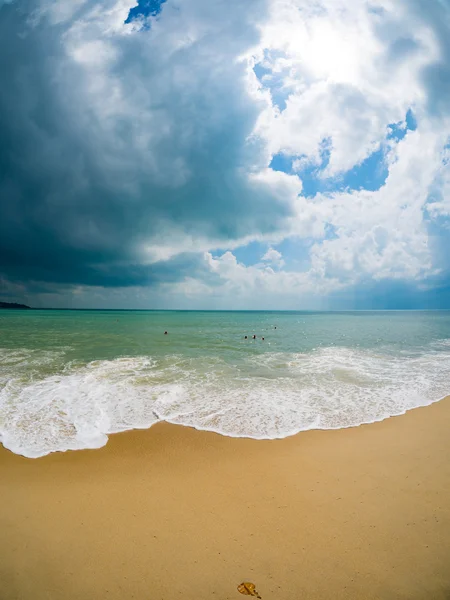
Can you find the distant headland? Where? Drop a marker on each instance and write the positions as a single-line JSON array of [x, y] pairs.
[[14, 305]]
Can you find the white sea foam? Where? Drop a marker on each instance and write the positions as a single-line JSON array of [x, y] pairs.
[[270, 395]]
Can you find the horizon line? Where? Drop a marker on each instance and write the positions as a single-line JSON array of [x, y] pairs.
[[293, 310]]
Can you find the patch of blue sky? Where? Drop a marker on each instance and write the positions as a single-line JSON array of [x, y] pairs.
[[370, 174], [261, 71], [250, 254], [271, 80], [145, 8], [311, 177], [294, 251], [397, 131], [438, 226], [411, 122]]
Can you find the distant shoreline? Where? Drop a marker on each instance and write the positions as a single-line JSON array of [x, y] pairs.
[[14, 306]]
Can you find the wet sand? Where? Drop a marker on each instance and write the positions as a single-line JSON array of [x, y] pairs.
[[168, 513]]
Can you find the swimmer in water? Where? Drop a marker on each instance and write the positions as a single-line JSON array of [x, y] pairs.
[[254, 337], [262, 339], [165, 333], [245, 337]]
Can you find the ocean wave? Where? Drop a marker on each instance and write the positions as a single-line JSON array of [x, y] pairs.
[[265, 396]]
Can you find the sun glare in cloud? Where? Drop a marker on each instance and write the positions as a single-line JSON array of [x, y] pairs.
[[330, 54], [163, 140], [322, 49]]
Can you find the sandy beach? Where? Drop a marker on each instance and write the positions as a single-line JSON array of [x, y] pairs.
[[172, 512]]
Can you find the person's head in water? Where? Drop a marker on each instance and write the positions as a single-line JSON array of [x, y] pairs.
[[245, 337], [165, 333], [262, 339], [275, 327], [254, 337]]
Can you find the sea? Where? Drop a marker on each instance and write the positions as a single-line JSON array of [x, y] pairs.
[[69, 379]]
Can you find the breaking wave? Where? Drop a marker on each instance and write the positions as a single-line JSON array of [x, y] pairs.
[[49, 405]]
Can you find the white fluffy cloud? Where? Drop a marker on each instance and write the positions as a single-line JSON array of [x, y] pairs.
[[384, 233], [264, 286], [343, 78], [273, 257]]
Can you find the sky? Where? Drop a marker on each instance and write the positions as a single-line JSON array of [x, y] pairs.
[[220, 154]]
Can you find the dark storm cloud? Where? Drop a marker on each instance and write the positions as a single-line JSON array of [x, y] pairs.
[[98, 155], [397, 32], [71, 270], [394, 295], [436, 76]]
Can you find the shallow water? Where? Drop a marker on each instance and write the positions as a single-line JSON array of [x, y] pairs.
[[69, 378]]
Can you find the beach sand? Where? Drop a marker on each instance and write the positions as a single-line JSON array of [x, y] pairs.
[[174, 513]]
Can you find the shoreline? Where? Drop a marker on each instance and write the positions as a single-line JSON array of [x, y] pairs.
[[172, 511], [226, 435]]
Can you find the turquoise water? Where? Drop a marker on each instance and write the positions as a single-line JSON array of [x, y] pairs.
[[70, 378]]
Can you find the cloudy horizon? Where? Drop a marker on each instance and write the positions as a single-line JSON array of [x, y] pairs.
[[267, 154]]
